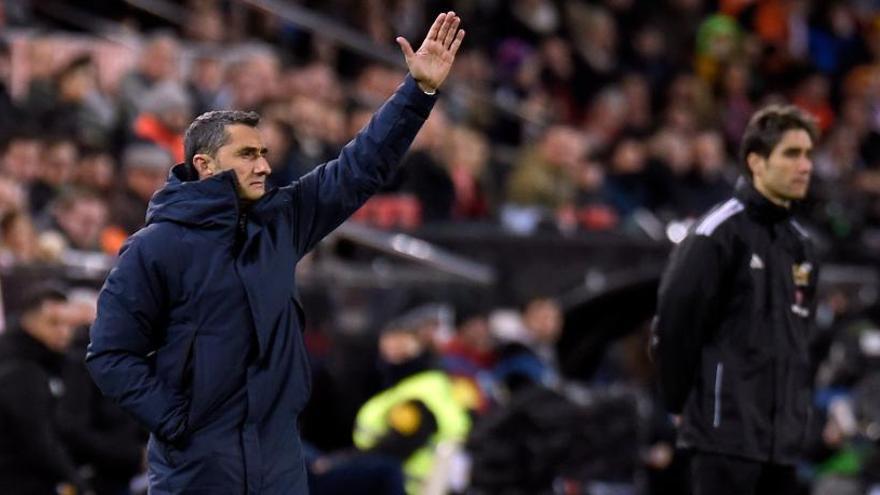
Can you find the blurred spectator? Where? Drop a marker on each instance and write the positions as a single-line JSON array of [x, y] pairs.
[[415, 412], [205, 22], [308, 120], [18, 239], [650, 55], [595, 41], [205, 82], [253, 78], [73, 105], [558, 77], [467, 160], [637, 91], [689, 104], [285, 162], [719, 40], [712, 176], [166, 111], [833, 37], [21, 156], [337, 473], [606, 117], [469, 357], [96, 171], [529, 356], [539, 442], [530, 20], [57, 166], [627, 184], [79, 217], [734, 100], [157, 62], [13, 196], [144, 170], [812, 95], [8, 108], [32, 456], [100, 437], [543, 177], [423, 172], [518, 71]]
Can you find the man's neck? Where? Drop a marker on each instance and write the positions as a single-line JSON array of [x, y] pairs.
[[775, 199]]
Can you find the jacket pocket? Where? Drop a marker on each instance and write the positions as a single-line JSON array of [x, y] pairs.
[[716, 396], [184, 382]]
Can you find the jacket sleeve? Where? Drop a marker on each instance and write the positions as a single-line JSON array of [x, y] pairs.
[[130, 306], [686, 308], [324, 198]]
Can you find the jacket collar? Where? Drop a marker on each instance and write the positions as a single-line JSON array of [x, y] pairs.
[[757, 205], [210, 203]]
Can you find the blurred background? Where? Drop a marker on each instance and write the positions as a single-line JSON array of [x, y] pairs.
[[517, 252]]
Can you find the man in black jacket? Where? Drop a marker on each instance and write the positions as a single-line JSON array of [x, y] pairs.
[[33, 459], [734, 313]]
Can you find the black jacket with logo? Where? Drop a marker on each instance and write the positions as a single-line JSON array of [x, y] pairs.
[[33, 458], [732, 331]]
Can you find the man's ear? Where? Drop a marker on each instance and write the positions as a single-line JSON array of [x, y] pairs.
[[755, 163], [204, 165]]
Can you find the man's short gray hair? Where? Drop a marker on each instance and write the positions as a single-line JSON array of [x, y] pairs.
[[208, 132]]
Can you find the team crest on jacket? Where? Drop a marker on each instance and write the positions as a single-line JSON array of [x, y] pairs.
[[800, 272]]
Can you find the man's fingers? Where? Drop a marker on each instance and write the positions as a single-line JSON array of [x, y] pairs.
[[457, 42], [450, 35], [447, 23], [435, 28], [405, 47]]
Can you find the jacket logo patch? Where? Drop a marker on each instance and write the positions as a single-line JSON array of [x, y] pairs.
[[757, 263], [800, 311], [56, 387], [798, 306], [800, 272]]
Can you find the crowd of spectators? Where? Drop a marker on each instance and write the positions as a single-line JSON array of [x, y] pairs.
[[561, 115], [568, 114]]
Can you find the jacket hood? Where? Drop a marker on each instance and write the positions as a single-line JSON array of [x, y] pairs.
[[209, 203]]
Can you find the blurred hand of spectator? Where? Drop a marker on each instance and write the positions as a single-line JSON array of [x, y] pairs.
[[12, 196]]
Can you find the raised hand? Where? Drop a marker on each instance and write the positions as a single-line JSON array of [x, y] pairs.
[[430, 65]]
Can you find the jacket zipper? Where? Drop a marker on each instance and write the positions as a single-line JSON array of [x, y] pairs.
[[719, 375]]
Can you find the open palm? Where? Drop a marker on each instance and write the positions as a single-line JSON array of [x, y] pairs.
[[431, 63]]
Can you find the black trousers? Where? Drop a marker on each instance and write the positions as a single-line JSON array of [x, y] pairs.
[[718, 474]]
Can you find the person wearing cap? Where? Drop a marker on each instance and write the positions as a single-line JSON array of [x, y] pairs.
[[144, 170], [33, 457], [199, 332], [418, 408], [165, 113]]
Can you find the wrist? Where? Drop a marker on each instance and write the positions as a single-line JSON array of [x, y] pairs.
[[428, 90]]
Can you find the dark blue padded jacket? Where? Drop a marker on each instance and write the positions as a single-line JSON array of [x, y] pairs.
[[198, 333]]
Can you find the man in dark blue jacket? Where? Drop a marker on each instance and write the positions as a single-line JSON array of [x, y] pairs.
[[198, 334]]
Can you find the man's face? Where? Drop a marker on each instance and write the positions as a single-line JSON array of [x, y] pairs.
[[543, 319], [397, 347], [83, 222], [50, 324], [144, 181], [243, 153], [22, 159], [59, 163], [784, 176]]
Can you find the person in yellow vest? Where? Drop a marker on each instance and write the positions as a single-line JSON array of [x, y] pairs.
[[416, 412]]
